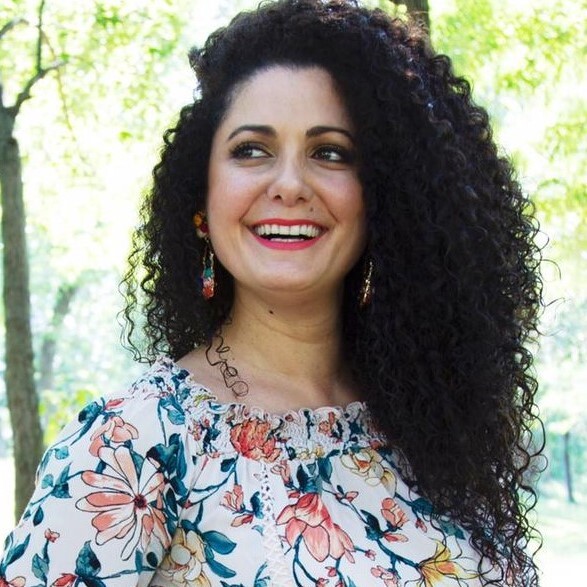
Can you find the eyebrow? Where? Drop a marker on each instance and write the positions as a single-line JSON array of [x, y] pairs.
[[320, 130], [260, 128], [270, 131]]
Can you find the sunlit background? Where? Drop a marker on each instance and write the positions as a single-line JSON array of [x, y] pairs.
[[89, 137]]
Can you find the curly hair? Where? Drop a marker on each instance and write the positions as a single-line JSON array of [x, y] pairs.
[[441, 352]]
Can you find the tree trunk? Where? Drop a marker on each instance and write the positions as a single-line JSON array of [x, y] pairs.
[[567, 465], [65, 296], [19, 375], [418, 9]]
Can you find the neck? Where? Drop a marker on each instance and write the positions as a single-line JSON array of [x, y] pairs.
[[296, 347]]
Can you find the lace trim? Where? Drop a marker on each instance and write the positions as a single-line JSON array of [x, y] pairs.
[[301, 434], [279, 573]]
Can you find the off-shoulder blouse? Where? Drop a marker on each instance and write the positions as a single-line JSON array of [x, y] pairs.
[[163, 485]]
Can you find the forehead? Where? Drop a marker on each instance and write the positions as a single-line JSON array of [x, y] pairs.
[[280, 93]]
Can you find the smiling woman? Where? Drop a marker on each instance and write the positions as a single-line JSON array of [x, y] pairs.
[[276, 166], [338, 274]]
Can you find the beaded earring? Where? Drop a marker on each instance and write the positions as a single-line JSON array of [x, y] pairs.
[[366, 291], [208, 281]]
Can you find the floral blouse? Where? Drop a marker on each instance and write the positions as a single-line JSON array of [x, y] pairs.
[[165, 486]]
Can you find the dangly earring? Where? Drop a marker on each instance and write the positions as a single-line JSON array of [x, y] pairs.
[[208, 282], [366, 291]]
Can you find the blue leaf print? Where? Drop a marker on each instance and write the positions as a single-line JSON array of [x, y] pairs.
[[137, 460], [87, 564], [325, 469], [38, 517], [373, 528], [220, 570], [40, 567], [450, 529], [16, 552], [227, 465], [174, 412], [61, 453], [138, 560], [422, 506], [257, 505], [61, 488], [47, 481], [218, 542], [152, 560]]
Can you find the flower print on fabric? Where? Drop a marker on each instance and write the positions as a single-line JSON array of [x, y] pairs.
[[164, 485], [114, 431], [370, 465], [310, 520], [183, 564], [441, 567], [234, 501], [127, 505], [255, 440]]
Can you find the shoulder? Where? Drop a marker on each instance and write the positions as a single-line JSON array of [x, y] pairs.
[[157, 409], [111, 488]]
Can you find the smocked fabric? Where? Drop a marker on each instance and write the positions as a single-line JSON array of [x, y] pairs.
[[163, 485]]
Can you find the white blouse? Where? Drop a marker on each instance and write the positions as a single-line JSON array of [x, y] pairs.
[[163, 485]]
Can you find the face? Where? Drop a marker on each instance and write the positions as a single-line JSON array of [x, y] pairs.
[[285, 206]]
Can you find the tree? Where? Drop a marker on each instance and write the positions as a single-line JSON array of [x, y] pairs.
[[91, 47], [19, 375], [418, 9]]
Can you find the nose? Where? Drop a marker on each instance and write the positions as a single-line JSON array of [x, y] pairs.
[[289, 182]]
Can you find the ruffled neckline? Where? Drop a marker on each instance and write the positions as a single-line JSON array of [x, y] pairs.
[[325, 426]]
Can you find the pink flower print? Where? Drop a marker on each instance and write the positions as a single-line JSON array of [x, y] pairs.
[[391, 511], [326, 426], [16, 582], [113, 403], [126, 504], [348, 496], [282, 469], [390, 579], [115, 430], [310, 519], [66, 580], [50, 535], [252, 438], [234, 501]]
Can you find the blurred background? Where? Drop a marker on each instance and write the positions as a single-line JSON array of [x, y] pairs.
[[87, 89]]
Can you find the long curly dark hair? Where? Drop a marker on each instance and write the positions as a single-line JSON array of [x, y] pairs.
[[441, 351]]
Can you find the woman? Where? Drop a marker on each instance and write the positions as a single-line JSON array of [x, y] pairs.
[[330, 225]]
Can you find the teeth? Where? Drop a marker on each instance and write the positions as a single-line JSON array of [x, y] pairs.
[[278, 230]]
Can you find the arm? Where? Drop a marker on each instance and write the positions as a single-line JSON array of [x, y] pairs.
[[107, 499]]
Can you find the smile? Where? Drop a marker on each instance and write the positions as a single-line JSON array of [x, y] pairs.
[[287, 234]]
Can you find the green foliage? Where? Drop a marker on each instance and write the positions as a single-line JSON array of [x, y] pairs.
[[58, 409], [89, 137]]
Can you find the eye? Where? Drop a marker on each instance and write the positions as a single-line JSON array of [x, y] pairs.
[[334, 154], [249, 151]]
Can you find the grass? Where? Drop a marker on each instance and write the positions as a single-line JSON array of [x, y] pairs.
[[562, 525]]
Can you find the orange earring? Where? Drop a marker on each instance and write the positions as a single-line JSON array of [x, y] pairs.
[[208, 283]]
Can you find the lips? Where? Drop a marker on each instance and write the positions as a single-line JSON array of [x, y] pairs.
[[279, 230], [278, 233]]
